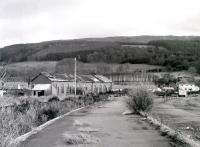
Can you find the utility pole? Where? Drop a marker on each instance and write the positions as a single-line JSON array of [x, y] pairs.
[[2, 76], [75, 76]]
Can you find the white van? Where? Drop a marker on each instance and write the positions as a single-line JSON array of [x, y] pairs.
[[182, 92]]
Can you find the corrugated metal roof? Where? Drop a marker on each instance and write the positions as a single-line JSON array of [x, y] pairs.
[[57, 77], [103, 78], [87, 78], [92, 78], [14, 79], [46, 74], [62, 77]]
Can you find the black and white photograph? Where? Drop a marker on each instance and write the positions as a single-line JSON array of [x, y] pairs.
[[99, 73]]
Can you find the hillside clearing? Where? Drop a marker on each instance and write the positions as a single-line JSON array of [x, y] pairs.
[[67, 66], [33, 68], [30, 68]]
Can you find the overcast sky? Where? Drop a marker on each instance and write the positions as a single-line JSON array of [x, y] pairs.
[[23, 21]]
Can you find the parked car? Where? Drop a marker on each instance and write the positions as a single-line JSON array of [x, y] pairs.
[[165, 91]]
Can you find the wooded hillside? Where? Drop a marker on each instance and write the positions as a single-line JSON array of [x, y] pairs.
[[175, 53]]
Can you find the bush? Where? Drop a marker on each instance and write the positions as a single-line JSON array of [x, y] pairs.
[[88, 99], [103, 97], [139, 100], [23, 107], [54, 99], [46, 114]]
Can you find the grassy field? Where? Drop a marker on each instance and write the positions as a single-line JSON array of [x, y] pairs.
[[30, 68], [176, 74], [67, 66], [181, 114], [33, 64]]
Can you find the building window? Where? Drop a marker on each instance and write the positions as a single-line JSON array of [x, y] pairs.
[[67, 91], [62, 89], [58, 90], [70, 90], [105, 89]]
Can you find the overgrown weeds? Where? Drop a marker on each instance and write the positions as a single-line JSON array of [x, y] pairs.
[[13, 125], [17, 120]]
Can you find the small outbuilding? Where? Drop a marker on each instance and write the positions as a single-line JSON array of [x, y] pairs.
[[14, 86]]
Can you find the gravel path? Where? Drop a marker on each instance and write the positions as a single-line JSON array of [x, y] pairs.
[[102, 126]]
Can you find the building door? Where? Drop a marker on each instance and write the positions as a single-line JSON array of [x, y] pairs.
[[41, 93]]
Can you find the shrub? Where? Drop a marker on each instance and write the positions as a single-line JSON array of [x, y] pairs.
[[54, 99], [139, 100], [103, 97], [100, 97], [23, 107], [46, 114], [88, 99]]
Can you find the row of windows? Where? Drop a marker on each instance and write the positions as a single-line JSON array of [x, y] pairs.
[[62, 89]]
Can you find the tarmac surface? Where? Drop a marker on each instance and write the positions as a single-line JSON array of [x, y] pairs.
[[104, 125]]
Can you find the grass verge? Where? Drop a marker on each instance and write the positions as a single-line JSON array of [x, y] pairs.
[[176, 136]]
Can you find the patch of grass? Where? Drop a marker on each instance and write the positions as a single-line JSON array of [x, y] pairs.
[[139, 100], [75, 139]]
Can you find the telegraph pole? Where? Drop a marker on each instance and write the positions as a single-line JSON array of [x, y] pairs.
[[75, 76]]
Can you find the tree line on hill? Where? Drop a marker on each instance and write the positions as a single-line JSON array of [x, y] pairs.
[[175, 55], [183, 55]]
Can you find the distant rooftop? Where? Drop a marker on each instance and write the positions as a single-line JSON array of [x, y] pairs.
[[58, 77]]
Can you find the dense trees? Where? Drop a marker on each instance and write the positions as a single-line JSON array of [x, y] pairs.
[[52, 50], [182, 54], [173, 54]]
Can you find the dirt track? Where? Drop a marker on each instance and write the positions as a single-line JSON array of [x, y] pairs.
[[106, 124]]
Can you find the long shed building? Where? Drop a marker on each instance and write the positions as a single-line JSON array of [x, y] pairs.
[[47, 84]]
